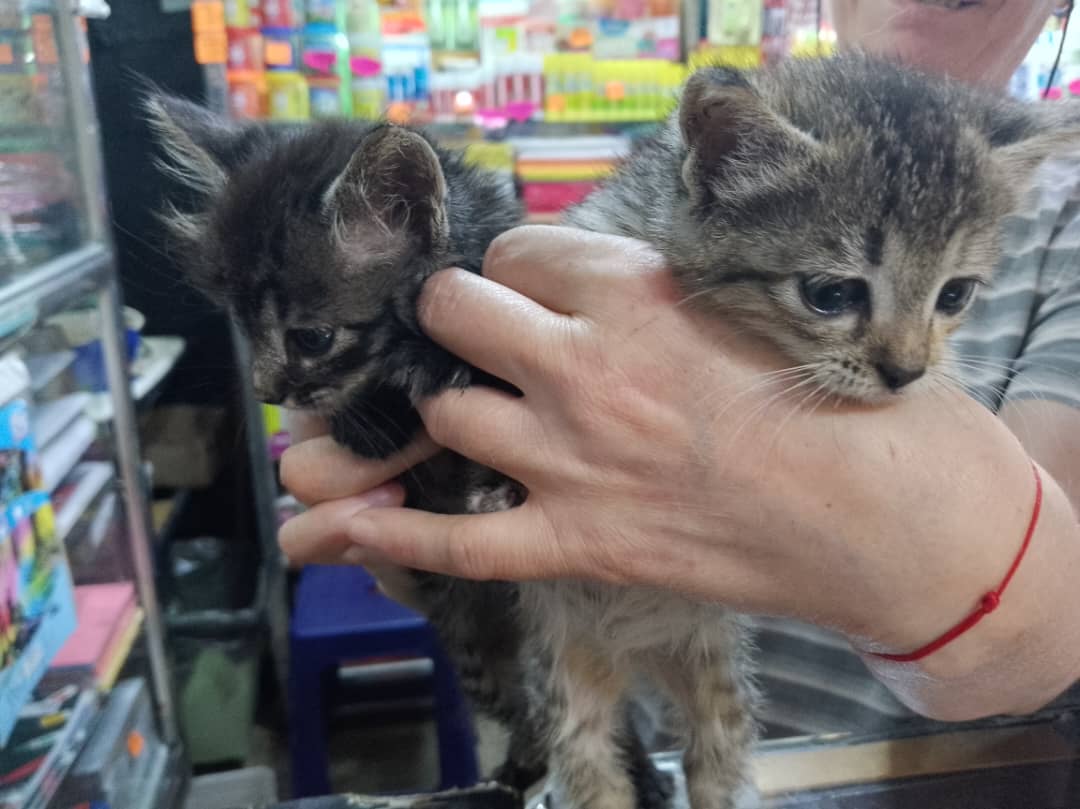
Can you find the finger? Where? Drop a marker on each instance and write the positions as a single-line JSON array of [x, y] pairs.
[[486, 324], [505, 545], [320, 469], [570, 271], [485, 425], [320, 536]]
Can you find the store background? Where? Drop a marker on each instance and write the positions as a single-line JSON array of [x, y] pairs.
[[553, 91]]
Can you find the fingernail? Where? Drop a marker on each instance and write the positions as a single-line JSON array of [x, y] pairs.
[[354, 555], [389, 494]]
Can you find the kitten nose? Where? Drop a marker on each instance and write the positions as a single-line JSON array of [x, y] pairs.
[[266, 391], [896, 376]]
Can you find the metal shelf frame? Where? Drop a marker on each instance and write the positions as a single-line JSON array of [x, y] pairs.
[[88, 273]]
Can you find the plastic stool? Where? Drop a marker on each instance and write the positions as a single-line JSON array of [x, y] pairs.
[[340, 616]]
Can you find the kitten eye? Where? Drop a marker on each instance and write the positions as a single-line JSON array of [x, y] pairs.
[[834, 296], [312, 342], [955, 295]]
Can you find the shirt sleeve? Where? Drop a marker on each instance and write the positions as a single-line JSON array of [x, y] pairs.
[[1048, 366]]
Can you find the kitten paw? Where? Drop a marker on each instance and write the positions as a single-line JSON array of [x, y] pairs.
[[501, 497], [519, 777], [653, 788]]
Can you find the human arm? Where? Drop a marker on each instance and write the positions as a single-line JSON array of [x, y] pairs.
[[651, 458], [1026, 653]]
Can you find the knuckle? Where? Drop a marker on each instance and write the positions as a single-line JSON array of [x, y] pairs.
[[570, 358], [502, 251], [440, 296], [436, 418], [616, 558]]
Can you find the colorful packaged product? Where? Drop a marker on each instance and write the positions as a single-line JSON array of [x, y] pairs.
[[282, 13], [247, 94], [19, 469], [37, 604], [245, 49], [287, 96], [237, 13], [282, 48], [368, 89]]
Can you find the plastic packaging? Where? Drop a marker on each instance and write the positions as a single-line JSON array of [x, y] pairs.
[[282, 48], [247, 94], [282, 13], [287, 96], [245, 49], [325, 62], [363, 27]]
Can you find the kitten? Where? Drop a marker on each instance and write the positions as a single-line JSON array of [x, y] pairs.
[[845, 210], [317, 239]]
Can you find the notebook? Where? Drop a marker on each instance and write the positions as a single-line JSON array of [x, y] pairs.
[[106, 614]]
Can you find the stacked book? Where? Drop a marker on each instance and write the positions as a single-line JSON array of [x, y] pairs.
[[49, 733], [109, 621], [557, 172]]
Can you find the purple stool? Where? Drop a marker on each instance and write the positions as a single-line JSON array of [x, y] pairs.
[[339, 616]]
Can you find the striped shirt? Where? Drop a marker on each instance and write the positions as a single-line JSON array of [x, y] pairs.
[[1022, 338]]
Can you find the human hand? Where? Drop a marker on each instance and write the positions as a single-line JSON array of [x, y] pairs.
[[661, 448], [615, 439], [321, 473], [317, 470]]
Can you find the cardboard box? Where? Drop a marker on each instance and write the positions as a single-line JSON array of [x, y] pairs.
[[184, 445]]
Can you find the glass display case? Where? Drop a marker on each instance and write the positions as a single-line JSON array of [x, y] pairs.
[[79, 608]]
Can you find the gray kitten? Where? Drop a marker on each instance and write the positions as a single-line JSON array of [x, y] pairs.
[[845, 210]]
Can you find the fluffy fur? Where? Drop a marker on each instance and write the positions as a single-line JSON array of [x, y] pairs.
[[317, 240], [845, 210]]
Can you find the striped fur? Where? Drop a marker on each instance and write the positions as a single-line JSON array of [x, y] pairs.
[[847, 168]]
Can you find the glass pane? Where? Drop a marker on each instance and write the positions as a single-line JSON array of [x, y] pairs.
[[815, 687], [69, 424], [41, 214]]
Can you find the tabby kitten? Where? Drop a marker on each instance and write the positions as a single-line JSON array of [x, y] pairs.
[[317, 239], [845, 210]]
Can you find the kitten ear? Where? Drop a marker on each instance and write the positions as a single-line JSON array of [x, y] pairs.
[[725, 122], [396, 176], [1019, 160], [199, 147]]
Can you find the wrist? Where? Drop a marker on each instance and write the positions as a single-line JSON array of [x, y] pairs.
[[910, 520], [1021, 656]]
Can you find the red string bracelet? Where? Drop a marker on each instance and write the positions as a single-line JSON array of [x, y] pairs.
[[989, 602]]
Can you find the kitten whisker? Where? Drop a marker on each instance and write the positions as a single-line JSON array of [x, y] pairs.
[[762, 408], [1011, 368], [361, 422], [693, 296], [795, 409], [762, 381], [943, 377]]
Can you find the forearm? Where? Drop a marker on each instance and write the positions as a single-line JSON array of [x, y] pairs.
[[936, 495]]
